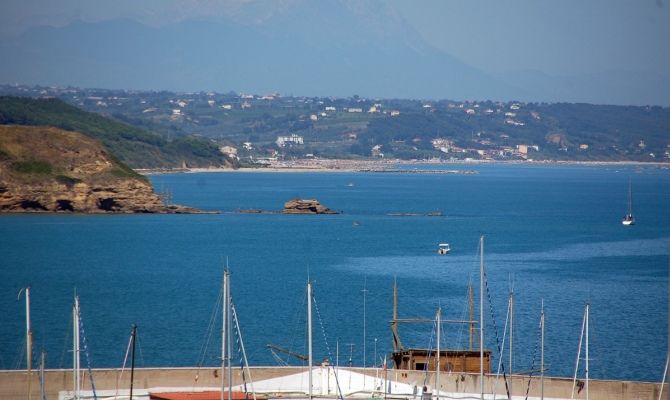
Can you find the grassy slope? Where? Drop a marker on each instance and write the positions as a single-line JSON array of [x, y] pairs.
[[37, 154], [133, 146]]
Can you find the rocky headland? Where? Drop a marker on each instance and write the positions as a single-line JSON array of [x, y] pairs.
[[306, 206], [44, 169]]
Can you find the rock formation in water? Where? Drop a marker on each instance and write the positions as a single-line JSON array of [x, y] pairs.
[[306, 206], [46, 169]]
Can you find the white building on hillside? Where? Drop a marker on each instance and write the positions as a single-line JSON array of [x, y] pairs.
[[282, 141]]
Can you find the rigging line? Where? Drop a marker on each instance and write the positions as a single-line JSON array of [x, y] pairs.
[[236, 332], [279, 360], [65, 343], [325, 339], [138, 339], [86, 353], [665, 374], [430, 353], [459, 338], [532, 364], [297, 316], [18, 359], [495, 386], [123, 366], [243, 359], [495, 330], [202, 354], [579, 352]]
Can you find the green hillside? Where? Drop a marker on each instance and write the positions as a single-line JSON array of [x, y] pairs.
[[134, 146]]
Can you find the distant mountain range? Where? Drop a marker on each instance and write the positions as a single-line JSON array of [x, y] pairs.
[[325, 48]]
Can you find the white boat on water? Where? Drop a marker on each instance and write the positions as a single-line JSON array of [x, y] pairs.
[[628, 219], [443, 248]]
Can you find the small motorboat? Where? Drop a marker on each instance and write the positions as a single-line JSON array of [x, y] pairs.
[[443, 248]]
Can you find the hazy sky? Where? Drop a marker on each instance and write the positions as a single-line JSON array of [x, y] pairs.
[[556, 37]]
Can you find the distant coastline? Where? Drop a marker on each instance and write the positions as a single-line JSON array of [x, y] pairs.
[[389, 165]]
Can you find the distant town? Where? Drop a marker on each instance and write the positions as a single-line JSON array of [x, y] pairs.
[[260, 129]]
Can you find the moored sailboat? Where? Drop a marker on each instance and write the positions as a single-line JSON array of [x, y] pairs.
[[628, 219]]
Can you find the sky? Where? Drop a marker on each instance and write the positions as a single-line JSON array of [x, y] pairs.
[[558, 38], [555, 37]]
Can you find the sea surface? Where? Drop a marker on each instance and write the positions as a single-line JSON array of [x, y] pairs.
[[552, 234]]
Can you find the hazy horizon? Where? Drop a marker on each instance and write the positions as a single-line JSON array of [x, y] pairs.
[[604, 52]]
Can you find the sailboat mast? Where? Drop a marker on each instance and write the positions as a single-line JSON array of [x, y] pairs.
[[229, 331], [511, 335], [29, 335], [365, 292], [43, 394], [471, 307], [133, 335], [579, 352], [542, 352], [630, 197], [481, 316], [586, 369], [439, 355], [309, 335], [224, 331], [29, 341], [397, 345], [75, 349]]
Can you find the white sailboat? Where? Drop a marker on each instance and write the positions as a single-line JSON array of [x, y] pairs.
[[628, 219]]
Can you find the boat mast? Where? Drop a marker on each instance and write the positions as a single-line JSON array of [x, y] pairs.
[[309, 334], [439, 355], [365, 292], [397, 345], [471, 306], [43, 394], [29, 341], [224, 331], [630, 197], [229, 331], [133, 335], [579, 352], [481, 317], [244, 353], [511, 334], [586, 369], [541, 352], [76, 384]]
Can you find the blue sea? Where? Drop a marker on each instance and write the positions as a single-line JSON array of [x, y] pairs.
[[552, 233]]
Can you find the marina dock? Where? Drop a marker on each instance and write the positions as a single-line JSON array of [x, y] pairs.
[[404, 384]]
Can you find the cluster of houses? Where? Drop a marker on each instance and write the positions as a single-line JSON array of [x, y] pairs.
[[490, 152]]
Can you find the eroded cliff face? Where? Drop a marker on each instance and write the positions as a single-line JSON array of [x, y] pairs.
[[50, 170], [124, 195]]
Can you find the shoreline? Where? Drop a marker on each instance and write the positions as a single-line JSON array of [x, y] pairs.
[[384, 166]]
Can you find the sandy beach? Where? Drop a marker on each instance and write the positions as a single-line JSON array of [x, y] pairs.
[[388, 165]]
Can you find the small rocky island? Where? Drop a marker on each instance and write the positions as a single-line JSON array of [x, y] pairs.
[[45, 169], [306, 206]]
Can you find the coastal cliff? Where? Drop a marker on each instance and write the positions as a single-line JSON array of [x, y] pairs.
[[44, 169]]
